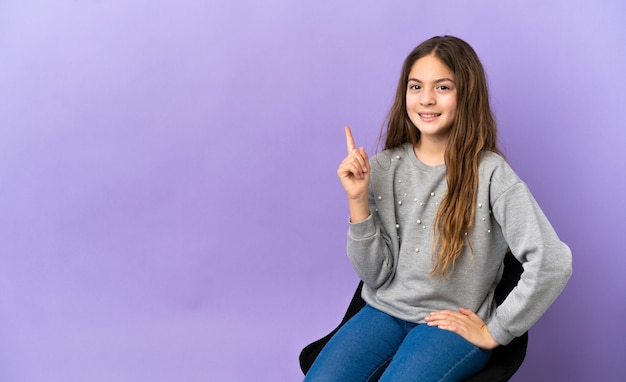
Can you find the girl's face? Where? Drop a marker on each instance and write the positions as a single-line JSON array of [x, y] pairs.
[[431, 97]]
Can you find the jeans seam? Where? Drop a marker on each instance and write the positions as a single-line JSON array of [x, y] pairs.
[[382, 365], [458, 363]]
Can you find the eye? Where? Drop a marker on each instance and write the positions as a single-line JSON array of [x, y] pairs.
[[414, 87], [443, 87]]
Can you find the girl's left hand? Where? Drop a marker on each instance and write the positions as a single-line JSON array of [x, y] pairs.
[[464, 323]]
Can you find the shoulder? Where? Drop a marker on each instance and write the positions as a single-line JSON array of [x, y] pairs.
[[494, 164], [497, 173], [489, 158], [389, 159]]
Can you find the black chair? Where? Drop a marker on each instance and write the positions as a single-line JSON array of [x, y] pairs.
[[504, 360]]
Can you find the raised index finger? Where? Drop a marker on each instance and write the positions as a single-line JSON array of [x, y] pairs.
[[349, 140]]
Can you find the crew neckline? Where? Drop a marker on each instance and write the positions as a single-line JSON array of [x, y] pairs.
[[408, 147]]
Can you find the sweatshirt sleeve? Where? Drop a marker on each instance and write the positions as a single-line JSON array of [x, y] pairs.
[[369, 252], [547, 262]]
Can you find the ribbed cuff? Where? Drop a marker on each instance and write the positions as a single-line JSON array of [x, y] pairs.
[[363, 229], [500, 334]]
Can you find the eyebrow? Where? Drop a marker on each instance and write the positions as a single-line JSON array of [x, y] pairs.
[[437, 81]]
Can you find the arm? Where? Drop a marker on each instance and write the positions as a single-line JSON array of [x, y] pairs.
[[547, 263], [368, 250], [367, 247]]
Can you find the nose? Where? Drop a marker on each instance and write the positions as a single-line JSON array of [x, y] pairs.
[[427, 98]]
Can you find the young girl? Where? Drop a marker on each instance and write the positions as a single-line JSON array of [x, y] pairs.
[[431, 218]]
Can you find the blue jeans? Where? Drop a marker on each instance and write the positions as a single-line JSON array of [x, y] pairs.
[[374, 346]]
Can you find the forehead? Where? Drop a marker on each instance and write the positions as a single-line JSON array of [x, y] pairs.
[[430, 68]]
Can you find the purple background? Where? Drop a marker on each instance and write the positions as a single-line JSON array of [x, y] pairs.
[[169, 209]]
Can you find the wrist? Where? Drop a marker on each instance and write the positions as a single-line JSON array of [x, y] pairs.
[[359, 209], [491, 342]]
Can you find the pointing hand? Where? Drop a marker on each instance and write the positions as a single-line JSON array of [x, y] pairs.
[[354, 173]]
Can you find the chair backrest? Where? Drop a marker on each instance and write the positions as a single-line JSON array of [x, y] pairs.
[[504, 360]]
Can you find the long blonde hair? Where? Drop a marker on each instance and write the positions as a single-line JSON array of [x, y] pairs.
[[473, 131]]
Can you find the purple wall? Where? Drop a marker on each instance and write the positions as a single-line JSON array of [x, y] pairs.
[[169, 208]]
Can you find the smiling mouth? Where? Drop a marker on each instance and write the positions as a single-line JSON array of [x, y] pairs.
[[433, 115]]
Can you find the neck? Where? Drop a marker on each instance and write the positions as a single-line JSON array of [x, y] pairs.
[[431, 152]]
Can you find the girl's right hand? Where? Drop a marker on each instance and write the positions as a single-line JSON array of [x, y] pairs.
[[354, 173]]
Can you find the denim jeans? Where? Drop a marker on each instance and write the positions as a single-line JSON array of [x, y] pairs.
[[374, 346]]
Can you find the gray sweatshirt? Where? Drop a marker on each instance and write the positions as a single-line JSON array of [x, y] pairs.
[[392, 250]]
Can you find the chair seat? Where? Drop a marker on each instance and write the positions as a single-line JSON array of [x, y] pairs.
[[504, 360]]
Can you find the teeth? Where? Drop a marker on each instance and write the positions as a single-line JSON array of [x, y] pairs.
[[429, 115]]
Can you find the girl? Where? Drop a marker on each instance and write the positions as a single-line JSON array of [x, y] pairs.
[[431, 218]]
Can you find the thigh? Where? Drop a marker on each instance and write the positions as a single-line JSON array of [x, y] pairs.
[[360, 350], [432, 354]]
